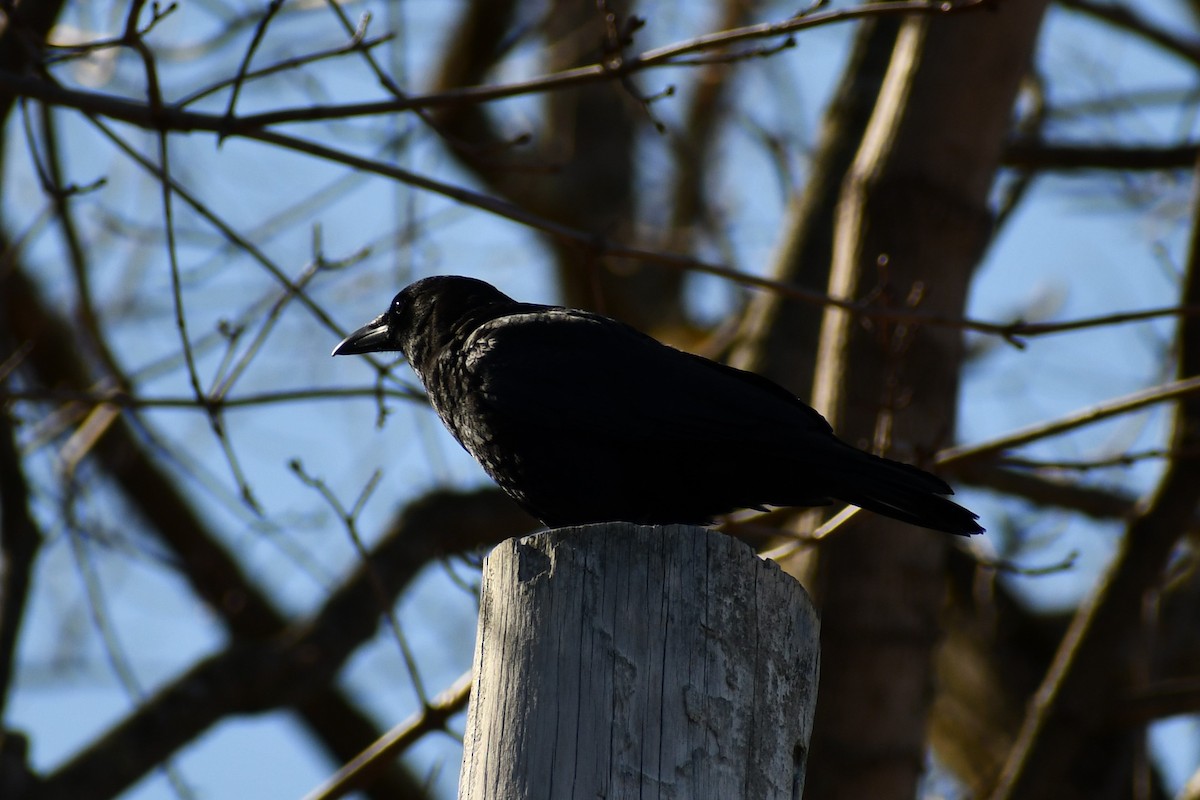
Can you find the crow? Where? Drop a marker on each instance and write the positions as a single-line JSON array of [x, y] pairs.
[[581, 418]]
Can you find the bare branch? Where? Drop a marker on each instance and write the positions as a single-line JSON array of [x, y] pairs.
[[362, 769], [1126, 19], [1123, 405], [1065, 156]]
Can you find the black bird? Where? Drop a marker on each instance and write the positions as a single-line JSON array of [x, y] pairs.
[[581, 418]]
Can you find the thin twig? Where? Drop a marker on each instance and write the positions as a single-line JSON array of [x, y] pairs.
[[1002, 565], [1119, 460], [349, 520], [126, 400], [283, 66], [367, 764], [260, 30], [266, 325], [966, 454]]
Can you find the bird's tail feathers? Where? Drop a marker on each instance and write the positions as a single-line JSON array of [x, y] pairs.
[[905, 493]]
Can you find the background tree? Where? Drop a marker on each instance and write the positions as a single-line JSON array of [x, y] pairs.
[[965, 231]]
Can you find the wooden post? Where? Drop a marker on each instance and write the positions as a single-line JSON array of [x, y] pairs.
[[619, 661]]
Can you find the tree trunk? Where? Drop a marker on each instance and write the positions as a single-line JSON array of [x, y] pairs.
[[912, 223]]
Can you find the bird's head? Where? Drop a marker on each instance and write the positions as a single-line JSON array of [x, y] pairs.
[[423, 317]]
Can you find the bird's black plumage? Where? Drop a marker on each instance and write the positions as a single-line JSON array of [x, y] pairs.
[[581, 418]]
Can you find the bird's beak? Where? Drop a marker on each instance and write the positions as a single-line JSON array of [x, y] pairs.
[[370, 338]]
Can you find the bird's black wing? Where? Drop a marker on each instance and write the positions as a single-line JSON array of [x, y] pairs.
[[571, 370]]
